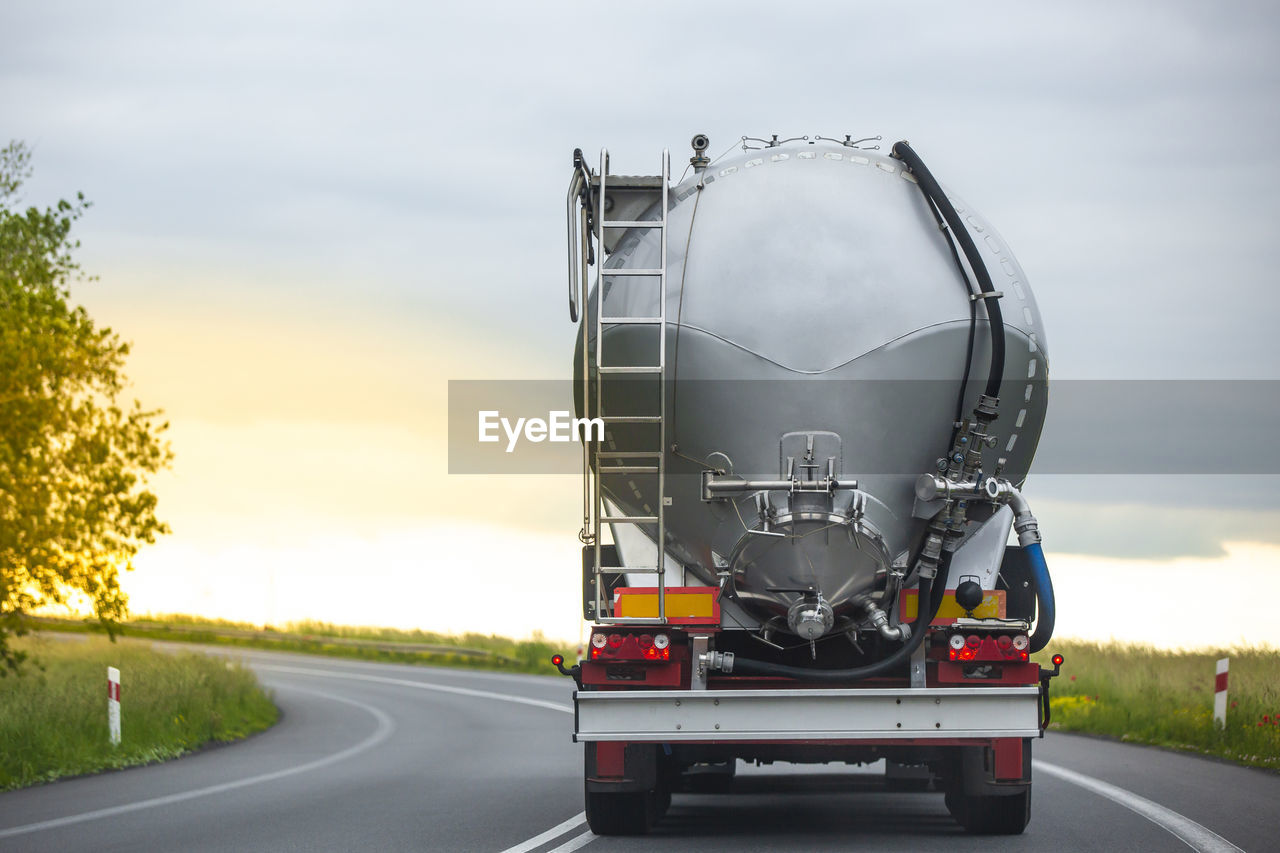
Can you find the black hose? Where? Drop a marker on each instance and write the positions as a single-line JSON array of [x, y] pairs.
[[935, 194], [973, 322], [919, 630]]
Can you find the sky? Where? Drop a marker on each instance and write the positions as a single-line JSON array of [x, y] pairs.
[[308, 218]]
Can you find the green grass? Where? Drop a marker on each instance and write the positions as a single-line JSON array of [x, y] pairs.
[[53, 714], [1145, 695], [471, 651], [1133, 693]]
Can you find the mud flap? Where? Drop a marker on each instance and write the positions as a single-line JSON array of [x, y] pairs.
[[998, 770], [616, 767]]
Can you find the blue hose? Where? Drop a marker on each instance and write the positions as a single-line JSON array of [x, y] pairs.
[[1044, 597]]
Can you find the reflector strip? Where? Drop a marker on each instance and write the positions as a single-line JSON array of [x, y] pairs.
[[992, 606], [689, 605]]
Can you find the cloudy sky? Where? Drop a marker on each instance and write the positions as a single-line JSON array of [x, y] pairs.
[[309, 218]]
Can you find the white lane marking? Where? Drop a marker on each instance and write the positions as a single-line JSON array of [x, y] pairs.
[[554, 832], [385, 727], [524, 846], [1187, 830], [575, 843], [419, 685]]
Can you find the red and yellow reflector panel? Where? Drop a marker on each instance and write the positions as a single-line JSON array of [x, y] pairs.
[[992, 606], [685, 605]]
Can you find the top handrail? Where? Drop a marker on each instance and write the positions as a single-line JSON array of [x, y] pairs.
[[579, 183]]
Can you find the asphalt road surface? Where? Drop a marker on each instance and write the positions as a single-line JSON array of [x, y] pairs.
[[387, 757]]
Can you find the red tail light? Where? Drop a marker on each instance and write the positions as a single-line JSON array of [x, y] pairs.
[[622, 647], [975, 647]]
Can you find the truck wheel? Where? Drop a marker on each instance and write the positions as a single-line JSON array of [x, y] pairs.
[[619, 814], [663, 797], [991, 815]]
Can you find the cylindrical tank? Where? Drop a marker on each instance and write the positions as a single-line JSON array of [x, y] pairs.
[[818, 325]]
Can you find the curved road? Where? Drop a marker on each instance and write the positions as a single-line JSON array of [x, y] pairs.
[[387, 757]]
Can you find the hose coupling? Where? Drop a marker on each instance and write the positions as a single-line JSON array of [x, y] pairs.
[[717, 661], [1028, 530], [1023, 521], [880, 621], [930, 554]]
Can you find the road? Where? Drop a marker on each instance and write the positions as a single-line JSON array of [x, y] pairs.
[[387, 757]]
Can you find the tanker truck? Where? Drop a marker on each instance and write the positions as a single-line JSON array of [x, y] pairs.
[[821, 378]]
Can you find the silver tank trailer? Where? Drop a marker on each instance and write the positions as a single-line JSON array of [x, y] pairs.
[[818, 328]]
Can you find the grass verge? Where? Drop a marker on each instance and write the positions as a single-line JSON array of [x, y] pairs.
[[1130, 692], [1144, 695], [53, 716], [472, 651]]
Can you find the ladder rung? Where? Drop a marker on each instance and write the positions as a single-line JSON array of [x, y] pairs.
[[628, 519], [628, 469], [648, 368], [632, 419], [629, 454], [619, 271], [628, 570], [630, 321], [634, 223]]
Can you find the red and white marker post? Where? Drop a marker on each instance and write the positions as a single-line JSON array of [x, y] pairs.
[[113, 704], [1220, 693]]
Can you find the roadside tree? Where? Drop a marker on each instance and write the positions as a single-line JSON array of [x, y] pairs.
[[75, 457]]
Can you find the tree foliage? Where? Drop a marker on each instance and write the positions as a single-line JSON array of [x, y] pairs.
[[74, 457]]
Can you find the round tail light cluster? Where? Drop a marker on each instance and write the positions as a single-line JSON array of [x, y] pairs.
[[655, 647], [1010, 647]]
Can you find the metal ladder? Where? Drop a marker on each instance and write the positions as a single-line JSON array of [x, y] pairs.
[[604, 461]]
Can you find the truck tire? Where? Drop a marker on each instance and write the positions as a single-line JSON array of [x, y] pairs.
[[991, 815]]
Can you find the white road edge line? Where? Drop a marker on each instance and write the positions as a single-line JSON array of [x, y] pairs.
[[522, 847], [419, 685], [575, 843], [554, 832], [385, 727], [1187, 830]]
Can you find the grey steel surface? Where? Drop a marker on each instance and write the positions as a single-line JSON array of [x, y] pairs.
[[781, 715], [812, 292], [462, 773]]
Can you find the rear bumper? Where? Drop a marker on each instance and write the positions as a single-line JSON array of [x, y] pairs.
[[789, 716]]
